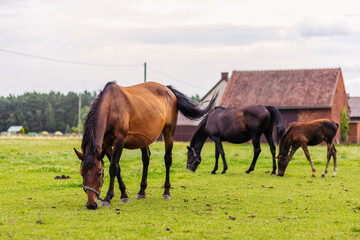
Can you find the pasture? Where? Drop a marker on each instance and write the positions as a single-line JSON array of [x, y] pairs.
[[236, 205]]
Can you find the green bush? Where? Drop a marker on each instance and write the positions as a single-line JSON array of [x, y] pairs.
[[344, 125]]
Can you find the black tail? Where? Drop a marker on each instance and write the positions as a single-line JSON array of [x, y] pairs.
[[190, 109], [275, 114]]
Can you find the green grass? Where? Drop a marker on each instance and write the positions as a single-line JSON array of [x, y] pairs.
[[236, 205]]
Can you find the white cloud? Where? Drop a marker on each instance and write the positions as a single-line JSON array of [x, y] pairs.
[[192, 41]]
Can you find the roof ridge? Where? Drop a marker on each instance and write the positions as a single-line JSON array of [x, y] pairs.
[[288, 70]]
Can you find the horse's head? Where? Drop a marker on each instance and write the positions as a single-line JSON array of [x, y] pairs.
[[193, 159], [283, 161], [93, 178]]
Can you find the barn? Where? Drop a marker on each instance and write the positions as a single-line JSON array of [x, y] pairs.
[[300, 95], [354, 123]]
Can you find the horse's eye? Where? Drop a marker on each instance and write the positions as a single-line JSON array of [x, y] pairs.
[[99, 174]]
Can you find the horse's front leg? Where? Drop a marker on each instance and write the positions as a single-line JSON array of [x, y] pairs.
[[114, 171], [220, 149], [306, 151], [257, 150], [145, 156]]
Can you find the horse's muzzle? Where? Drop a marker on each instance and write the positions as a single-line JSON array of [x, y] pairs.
[[92, 206]]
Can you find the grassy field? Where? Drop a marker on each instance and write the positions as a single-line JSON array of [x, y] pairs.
[[236, 205]]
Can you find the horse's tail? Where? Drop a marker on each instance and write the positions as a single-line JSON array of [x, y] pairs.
[[190, 109], [275, 115]]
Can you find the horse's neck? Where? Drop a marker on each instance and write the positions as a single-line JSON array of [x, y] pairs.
[[285, 147], [198, 140]]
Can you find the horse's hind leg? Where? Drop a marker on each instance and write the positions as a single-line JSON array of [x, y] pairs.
[[257, 150], [328, 155], [168, 137], [333, 151], [145, 156], [216, 161], [219, 150], [270, 140], [306, 151]]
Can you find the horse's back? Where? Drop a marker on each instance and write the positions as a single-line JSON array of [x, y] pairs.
[[237, 125], [144, 110], [315, 131]]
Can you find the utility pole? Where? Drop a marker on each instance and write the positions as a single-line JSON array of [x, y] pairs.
[[79, 115], [144, 71]]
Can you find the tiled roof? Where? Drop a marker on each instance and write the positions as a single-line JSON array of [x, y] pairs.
[[354, 104], [304, 88]]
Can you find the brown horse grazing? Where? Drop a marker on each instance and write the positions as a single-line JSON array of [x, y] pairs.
[[302, 134], [130, 117], [235, 125]]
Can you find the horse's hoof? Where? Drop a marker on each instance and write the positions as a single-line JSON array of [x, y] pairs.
[[334, 175], [105, 204], [166, 196], [223, 172], [140, 196], [247, 171], [124, 200], [213, 172], [322, 175], [312, 175], [273, 174]]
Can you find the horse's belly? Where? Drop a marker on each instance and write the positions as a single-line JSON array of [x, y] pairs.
[[138, 140], [236, 138]]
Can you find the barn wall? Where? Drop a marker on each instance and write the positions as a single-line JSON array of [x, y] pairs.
[[184, 133], [340, 102], [354, 132], [305, 115]]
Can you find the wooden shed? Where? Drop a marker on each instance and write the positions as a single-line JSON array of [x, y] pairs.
[[300, 95]]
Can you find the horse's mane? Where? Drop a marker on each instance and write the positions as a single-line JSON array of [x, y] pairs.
[[291, 126], [88, 144], [199, 132]]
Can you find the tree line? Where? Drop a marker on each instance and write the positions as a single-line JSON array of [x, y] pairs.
[[50, 112]]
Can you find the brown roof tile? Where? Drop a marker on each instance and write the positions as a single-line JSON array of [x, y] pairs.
[[305, 88]]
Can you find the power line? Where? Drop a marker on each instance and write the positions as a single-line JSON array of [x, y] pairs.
[[67, 61], [97, 65], [165, 75]]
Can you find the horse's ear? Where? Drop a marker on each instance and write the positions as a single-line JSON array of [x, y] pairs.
[[101, 155], [189, 148], [79, 154]]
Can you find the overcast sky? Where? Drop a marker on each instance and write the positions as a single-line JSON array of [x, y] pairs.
[[185, 43]]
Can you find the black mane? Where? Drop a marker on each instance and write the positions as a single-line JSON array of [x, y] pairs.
[[282, 138], [88, 144]]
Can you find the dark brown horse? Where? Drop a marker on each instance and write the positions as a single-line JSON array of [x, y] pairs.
[[130, 117], [302, 134], [235, 125]]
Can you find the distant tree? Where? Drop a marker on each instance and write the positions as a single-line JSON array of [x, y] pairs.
[[50, 118], [68, 129], [195, 98], [43, 112]]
